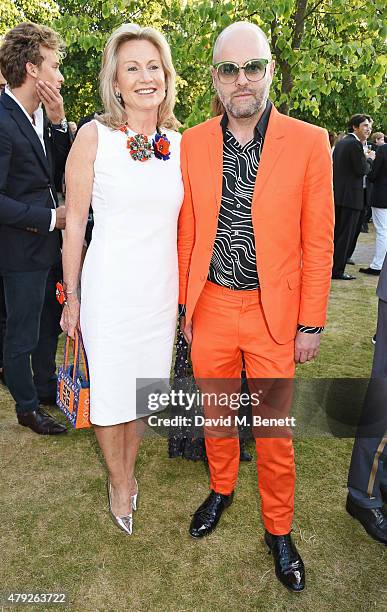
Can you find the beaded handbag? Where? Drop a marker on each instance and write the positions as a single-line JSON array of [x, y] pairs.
[[73, 389]]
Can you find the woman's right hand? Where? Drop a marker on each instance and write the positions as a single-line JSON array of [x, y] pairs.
[[70, 315]]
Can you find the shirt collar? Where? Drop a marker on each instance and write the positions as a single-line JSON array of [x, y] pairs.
[[37, 113], [260, 128], [353, 134]]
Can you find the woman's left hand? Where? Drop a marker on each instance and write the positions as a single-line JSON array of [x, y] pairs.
[[70, 316]]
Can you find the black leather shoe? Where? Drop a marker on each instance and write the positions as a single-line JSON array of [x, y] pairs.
[[343, 276], [243, 454], [208, 514], [41, 423], [374, 520], [370, 271], [289, 567]]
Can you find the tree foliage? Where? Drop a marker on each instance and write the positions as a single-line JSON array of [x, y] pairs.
[[13, 12], [329, 53]]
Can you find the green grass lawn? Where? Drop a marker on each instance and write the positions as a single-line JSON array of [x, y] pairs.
[[57, 536]]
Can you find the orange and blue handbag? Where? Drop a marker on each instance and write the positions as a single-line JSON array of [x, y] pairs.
[[73, 390]]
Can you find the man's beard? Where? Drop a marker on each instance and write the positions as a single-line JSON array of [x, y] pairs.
[[256, 104]]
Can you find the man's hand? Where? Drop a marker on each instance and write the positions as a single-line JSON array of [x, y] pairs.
[[186, 329], [306, 347], [51, 100], [370, 154], [60, 217]]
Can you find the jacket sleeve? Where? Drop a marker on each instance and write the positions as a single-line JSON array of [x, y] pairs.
[[13, 212], [186, 227], [360, 165], [377, 165], [317, 223], [61, 148]]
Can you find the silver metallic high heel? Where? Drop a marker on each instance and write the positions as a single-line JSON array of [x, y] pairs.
[[123, 522], [134, 497]]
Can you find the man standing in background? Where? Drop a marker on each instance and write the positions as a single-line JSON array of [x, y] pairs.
[[351, 164], [378, 178], [367, 478], [32, 146], [3, 83]]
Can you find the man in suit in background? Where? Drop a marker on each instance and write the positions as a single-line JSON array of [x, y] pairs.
[[3, 83], [31, 146], [367, 478], [350, 166], [378, 178], [255, 245]]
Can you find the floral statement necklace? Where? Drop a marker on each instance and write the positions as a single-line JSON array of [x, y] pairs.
[[141, 149]]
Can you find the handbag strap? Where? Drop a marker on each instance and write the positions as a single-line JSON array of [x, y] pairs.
[[79, 354], [82, 354]]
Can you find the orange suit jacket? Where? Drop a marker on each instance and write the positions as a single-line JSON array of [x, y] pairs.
[[292, 214]]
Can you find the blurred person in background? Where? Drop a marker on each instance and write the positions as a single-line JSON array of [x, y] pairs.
[[3, 315], [378, 179], [351, 163], [367, 478]]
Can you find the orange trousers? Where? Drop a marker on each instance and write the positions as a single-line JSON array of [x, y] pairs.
[[227, 325]]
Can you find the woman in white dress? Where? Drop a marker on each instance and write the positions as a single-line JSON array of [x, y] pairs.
[[127, 163]]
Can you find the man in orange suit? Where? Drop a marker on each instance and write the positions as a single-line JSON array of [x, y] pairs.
[[255, 256]]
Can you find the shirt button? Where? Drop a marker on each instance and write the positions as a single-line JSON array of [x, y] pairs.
[[238, 205], [236, 233]]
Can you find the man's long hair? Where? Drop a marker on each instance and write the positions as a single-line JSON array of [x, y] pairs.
[[217, 107]]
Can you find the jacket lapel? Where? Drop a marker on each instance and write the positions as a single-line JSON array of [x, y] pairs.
[[272, 150], [215, 148], [27, 129], [47, 136]]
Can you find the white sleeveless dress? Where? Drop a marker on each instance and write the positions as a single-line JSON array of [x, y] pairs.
[[129, 285]]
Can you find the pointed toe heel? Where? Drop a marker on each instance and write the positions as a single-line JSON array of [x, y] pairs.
[[125, 523]]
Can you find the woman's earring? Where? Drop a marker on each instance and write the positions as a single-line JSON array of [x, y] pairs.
[[118, 96]]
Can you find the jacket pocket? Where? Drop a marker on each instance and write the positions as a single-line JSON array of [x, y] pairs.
[[294, 279]]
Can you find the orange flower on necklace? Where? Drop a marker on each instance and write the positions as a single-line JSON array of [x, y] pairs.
[[161, 146]]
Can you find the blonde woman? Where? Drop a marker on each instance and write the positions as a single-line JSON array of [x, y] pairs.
[[127, 162]]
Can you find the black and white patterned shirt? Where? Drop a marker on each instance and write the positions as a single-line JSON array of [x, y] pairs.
[[233, 262]]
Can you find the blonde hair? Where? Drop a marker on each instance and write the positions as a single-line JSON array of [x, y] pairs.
[[375, 136], [115, 115]]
